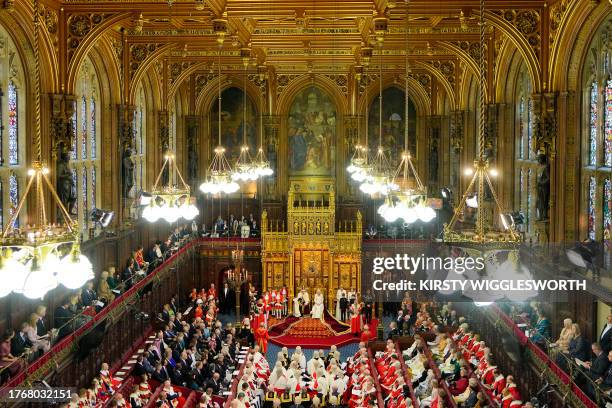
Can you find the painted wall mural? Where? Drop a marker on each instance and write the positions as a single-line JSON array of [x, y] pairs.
[[393, 124], [312, 133], [232, 123]]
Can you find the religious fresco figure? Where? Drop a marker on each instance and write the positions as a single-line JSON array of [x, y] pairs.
[[234, 122], [393, 124], [312, 133]]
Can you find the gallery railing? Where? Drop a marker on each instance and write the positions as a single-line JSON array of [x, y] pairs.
[[37, 369]]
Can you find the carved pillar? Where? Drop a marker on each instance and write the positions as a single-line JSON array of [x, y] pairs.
[[63, 137], [272, 146], [193, 169]]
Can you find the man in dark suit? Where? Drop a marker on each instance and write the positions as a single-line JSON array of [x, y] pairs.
[[41, 327], [62, 320], [605, 337], [139, 369], [227, 298], [20, 342], [89, 294], [599, 363], [214, 383], [394, 331], [605, 381], [160, 374]]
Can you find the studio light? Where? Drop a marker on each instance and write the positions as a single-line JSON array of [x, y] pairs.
[[102, 218]]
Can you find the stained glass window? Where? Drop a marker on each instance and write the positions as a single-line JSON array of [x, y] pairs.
[[14, 196], [73, 153], [140, 131], [530, 152], [92, 121], [1, 206], [75, 188], [83, 128], [522, 128], [85, 193], [607, 206], [591, 207], [528, 213], [13, 122], [608, 125], [593, 126], [93, 187]]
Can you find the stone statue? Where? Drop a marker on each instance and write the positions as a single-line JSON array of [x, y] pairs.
[[433, 161], [193, 163], [127, 167], [543, 200], [65, 183]]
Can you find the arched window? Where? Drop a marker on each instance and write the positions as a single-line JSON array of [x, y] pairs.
[[526, 156], [85, 162], [12, 136], [596, 199], [139, 128]]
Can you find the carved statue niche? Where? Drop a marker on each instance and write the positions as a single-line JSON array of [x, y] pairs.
[[127, 171], [433, 161], [192, 149], [66, 189], [543, 199]]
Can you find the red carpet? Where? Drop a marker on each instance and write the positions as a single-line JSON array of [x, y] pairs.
[[313, 333]]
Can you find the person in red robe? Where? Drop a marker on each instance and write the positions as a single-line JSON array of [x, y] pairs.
[[355, 320], [366, 335], [262, 336], [212, 291], [198, 312]]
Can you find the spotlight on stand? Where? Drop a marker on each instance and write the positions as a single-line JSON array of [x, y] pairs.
[[101, 218], [583, 254], [446, 193]]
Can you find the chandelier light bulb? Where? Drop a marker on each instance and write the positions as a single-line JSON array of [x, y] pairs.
[[468, 171], [75, 270]]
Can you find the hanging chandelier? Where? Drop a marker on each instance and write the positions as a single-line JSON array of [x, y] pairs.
[[219, 175], [474, 195], [36, 258], [359, 158], [169, 202], [245, 169], [377, 176], [409, 200], [261, 163]]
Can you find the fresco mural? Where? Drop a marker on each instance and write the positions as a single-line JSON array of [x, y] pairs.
[[393, 124], [232, 123], [312, 133]]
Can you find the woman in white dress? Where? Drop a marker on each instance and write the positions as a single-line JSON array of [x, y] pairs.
[[340, 293], [296, 307], [318, 307]]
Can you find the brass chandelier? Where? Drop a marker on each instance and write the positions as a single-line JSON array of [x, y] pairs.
[[378, 176], [36, 258], [219, 175], [409, 201], [170, 202], [245, 168], [481, 177]]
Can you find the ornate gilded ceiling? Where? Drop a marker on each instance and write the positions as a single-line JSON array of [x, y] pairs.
[[291, 36]]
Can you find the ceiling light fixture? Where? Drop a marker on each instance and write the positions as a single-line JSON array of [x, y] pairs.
[[219, 175]]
